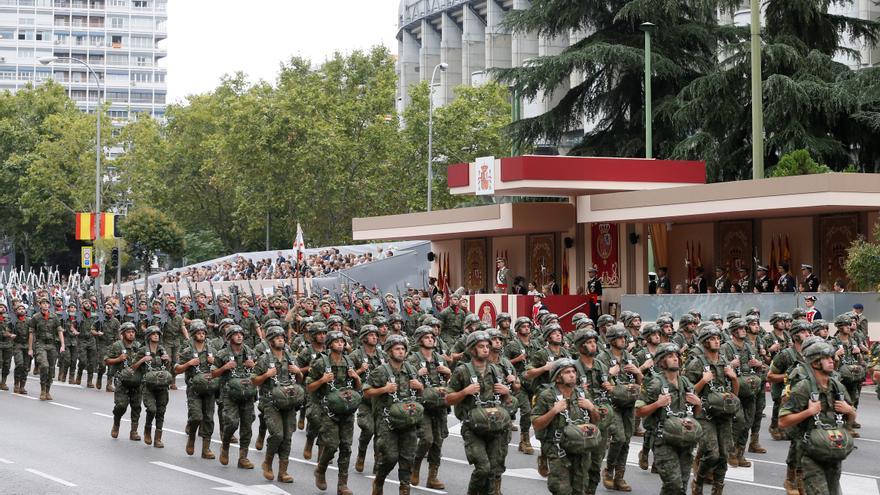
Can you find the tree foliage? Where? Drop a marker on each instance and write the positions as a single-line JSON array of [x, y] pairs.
[[148, 231], [863, 263], [798, 163]]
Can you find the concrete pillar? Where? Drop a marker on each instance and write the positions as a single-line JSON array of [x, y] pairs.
[[429, 57], [497, 39], [450, 53], [473, 39], [408, 67], [523, 46], [548, 46]]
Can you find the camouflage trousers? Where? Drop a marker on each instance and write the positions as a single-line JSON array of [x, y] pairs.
[[594, 471], [395, 447], [88, 359], [568, 473], [487, 453], [22, 362], [126, 396], [335, 436], [237, 414], [6, 360], [621, 433], [433, 430], [280, 425], [821, 478], [155, 403], [760, 403], [743, 421], [713, 448], [68, 359], [673, 465], [45, 355], [200, 413], [855, 392], [367, 426], [525, 410]]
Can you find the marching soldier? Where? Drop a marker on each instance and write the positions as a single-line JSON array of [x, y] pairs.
[[753, 337], [743, 358], [155, 394], [776, 341], [173, 334], [390, 387], [106, 332], [7, 338], [475, 387], [45, 328], [518, 350], [196, 360], [276, 375], [823, 398], [851, 362], [432, 371], [711, 374], [235, 362], [367, 357], [20, 326], [127, 374], [88, 348], [669, 396], [304, 360], [538, 372], [70, 356], [651, 336], [557, 406], [452, 318], [334, 385]]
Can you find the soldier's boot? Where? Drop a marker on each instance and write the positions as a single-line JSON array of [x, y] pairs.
[[148, 434], [525, 444], [433, 482], [731, 459], [755, 446], [543, 468], [261, 437], [321, 476], [282, 471], [109, 386], [620, 484], [114, 432], [243, 461], [48, 391], [206, 449], [190, 440], [717, 488], [267, 467], [514, 427], [43, 392], [854, 433], [21, 385], [307, 449], [496, 487], [416, 472], [697, 486], [133, 435], [741, 460], [15, 388], [643, 459], [157, 442], [301, 424], [224, 452], [608, 477], [99, 382], [790, 483], [173, 386], [79, 375], [378, 486], [776, 433], [404, 488], [62, 376], [342, 485], [3, 385], [799, 481], [70, 378], [856, 425], [359, 463]]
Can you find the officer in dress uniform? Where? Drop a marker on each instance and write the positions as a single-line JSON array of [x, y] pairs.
[[763, 283], [813, 313], [785, 283], [811, 281], [594, 289], [722, 284], [664, 286], [502, 277], [745, 283], [699, 282]]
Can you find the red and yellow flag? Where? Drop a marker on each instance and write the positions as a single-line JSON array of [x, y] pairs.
[[85, 226]]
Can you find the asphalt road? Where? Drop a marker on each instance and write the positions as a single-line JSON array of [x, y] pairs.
[[64, 447]]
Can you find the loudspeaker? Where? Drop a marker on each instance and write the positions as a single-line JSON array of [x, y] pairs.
[[634, 238], [569, 242], [431, 256]]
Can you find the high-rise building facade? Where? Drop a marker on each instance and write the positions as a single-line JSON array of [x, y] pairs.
[[119, 39]]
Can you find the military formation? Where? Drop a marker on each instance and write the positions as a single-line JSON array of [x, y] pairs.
[[262, 367]]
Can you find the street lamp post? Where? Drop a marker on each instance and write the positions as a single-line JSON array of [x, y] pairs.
[[757, 93], [648, 29], [50, 60], [442, 66]]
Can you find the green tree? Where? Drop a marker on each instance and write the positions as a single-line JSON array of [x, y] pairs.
[[798, 163], [201, 245], [148, 231], [863, 263]]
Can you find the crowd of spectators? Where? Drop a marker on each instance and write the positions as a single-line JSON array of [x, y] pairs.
[[283, 266]]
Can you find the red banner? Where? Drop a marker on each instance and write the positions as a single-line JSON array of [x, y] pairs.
[[606, 252]]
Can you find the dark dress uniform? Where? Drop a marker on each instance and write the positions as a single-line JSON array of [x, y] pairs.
[[594, 286]]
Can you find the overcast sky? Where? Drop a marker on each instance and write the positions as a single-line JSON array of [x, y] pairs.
[[209, 38]]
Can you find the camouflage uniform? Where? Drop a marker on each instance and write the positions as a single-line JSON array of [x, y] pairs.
[[199, 408], [110, 330], [281, 423], [172, 337], [237, 415], [70, 356], [453, 324], [126, 394], [365, 420], [434, 428], [88, 350], [6, 350], [44, 328], [20, 326]]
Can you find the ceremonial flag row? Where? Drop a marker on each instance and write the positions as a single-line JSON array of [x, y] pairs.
[[85, 226]]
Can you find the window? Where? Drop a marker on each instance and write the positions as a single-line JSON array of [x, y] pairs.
[[118, 77], [119, 3], [25, 35], [27, 53], [142, 61], [159, 77], [140, 4], [116, 41], [118, 114], [96, 40], [117, 22], [26, 21], [117, 95], [142, 23], [140, 77], [7, 75], [141, 42], [42, 35], [117, 59]]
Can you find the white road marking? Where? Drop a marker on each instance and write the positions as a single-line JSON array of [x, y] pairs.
[[50, 477], [525, 473], [867, 440], [5, 461], [64, 405], [455, 461], [858, 484], [251, 490], [25, 396], [204, 476]]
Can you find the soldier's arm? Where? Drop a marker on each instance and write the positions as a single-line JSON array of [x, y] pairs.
[[795, 410], [378, 384], [261, 372], [777, 366], [544, 412], [647, 404], [533, 369]]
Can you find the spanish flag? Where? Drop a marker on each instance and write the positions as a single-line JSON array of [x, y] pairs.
[[85, 226]]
